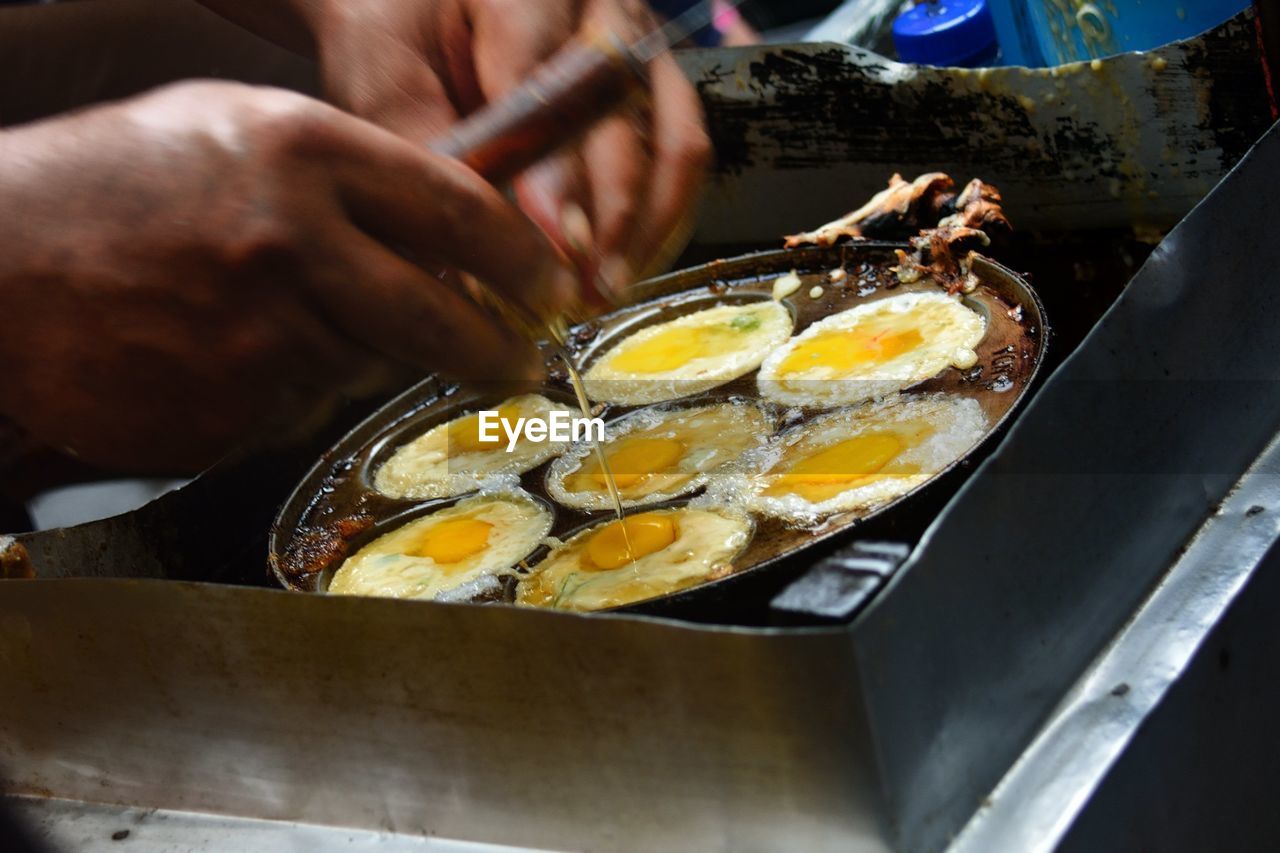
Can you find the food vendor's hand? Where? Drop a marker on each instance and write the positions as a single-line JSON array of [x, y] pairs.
[[176, 268], [415, 66]]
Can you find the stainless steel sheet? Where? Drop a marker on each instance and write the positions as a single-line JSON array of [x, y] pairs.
[[482, 723], [1052, 544], [1037, 802]]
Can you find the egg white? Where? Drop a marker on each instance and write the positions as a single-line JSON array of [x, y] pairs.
[[424, 468], [764, 326], [951, 332], [706, 543], [381, 568], [713, 436], [957, 424]]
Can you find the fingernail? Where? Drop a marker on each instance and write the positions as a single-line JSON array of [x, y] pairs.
[[545, 186], [576, 228], [547, 177], [614, 277]]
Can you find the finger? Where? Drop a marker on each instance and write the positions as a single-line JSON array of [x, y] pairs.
[[513, 37], [443, 214], [621, 166], [681, 153], [391, 305], [382, 77], [511, 40], [555, 195]]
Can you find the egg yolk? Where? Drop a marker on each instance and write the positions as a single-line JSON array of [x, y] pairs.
[[680, 345], [844, 466], [631, 461], [464, 433], [452, 540], [648, 532], [846, 349]]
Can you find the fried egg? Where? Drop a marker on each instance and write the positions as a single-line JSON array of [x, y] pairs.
[[859, 458], [452, 459], [455, 553], [689, 355], [656, 455], [672, 549], [873, 350]]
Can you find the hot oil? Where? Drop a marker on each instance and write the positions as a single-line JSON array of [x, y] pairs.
[[559, 333]]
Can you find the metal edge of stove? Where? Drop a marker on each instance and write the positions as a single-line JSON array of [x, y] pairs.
[[1036, 802], [70, 826], [1170, 399], [479, 723]]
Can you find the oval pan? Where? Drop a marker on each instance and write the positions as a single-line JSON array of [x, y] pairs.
[[334, 506]]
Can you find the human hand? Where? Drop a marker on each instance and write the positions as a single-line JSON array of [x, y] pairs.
[[416, 67], [177, 268]]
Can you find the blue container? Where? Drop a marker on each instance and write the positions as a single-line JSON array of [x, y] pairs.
[[1050, 32], [949, 33]]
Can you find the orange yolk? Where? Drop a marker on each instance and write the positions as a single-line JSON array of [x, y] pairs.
[[648, 532], [453, 540], [675, 347], [843, 466], [464, 433], [630, 461], [847, 349]]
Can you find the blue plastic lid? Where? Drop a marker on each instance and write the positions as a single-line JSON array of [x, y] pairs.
[[944, 32]]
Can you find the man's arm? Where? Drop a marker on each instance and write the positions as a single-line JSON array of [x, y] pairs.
[[183, 269]]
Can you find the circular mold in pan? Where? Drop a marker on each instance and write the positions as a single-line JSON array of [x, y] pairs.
[[411, 511], [335, 508]]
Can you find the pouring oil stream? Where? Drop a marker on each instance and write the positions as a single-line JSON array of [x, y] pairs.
[[559, 333]]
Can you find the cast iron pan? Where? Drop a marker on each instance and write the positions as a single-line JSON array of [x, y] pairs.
[[334, 510]]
